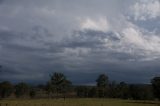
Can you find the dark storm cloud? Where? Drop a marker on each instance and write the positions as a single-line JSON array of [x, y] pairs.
[[79, 38], [84, 53]]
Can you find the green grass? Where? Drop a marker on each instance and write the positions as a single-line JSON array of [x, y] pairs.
[[76, 102]]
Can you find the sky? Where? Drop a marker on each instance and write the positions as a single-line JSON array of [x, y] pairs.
[[80, 38]]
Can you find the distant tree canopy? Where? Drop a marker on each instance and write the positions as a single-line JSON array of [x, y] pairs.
[[156, 86], [6, 89], [59, 86], [141, 92], [22, 89]]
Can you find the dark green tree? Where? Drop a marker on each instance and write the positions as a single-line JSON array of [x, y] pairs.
[[6, 89], [102, 81], [22, 89], [156, 86], [102, 84], [58, 84]]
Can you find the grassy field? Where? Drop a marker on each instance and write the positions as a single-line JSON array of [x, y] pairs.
[[77, 102]]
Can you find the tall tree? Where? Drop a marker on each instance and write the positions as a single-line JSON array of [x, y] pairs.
[[156, 86], [58, 83], [102, 84], [102, 81]]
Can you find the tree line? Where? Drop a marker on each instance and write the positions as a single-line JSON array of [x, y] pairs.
[[60, 87]]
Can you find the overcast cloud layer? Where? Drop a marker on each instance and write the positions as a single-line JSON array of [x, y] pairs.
[[81, 38]]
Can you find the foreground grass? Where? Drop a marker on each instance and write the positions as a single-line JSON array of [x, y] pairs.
[[76, 102]]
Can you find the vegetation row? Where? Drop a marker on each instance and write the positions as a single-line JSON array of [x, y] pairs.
[[60, 87]]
